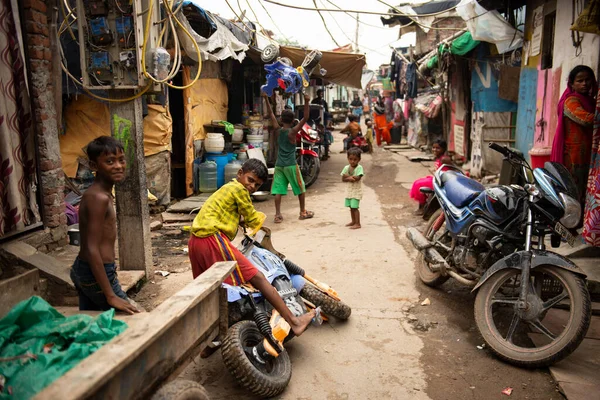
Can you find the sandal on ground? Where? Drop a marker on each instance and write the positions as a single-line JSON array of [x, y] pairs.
[[306, 214], [278, 219]]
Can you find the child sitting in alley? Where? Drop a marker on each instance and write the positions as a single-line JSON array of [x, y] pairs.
[[325, 138], [352, 174], [216, 225], [438, 149], [94, 272], [369, 134], [352, 129]]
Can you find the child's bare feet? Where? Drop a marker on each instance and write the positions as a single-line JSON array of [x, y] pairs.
[[350, 224], [355, 226], [299, 324]]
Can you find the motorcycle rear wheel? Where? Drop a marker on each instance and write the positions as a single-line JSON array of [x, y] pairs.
[[264, 380], [427, 276], [557, 336], [330, 306], [309, 167]]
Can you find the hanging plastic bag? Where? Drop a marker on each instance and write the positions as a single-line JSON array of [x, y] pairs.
[[589, 19]]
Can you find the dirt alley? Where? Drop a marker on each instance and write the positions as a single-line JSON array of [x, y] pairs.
[[391, 347]]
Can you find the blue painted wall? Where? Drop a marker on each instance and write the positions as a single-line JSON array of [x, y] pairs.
[[526, 110], [484, 86]]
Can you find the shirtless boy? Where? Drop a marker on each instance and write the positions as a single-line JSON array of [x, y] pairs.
[[94, 272]]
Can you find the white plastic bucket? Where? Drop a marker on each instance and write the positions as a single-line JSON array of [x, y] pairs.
[[238, 135], [214, 143], [256, 128], [255, 141]]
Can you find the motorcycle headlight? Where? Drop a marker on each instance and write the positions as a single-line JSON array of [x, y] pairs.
[[572, 211]]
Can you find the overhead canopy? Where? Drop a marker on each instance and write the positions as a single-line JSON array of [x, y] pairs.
[[408, 12], [345, 69]]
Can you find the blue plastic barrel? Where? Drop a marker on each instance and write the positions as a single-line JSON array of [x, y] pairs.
[[221, 160]]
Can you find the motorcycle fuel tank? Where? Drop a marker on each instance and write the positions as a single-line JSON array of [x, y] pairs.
[[498, 203]]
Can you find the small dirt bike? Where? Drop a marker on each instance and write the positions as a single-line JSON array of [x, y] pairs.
[[253, 349], [532, 306], [307, 155]]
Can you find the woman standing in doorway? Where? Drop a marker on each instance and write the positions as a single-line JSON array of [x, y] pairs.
[[572, 144]]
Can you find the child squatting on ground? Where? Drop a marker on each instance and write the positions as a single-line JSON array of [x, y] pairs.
[[217, 224], [94, 272], [352, 174], [287, 171]]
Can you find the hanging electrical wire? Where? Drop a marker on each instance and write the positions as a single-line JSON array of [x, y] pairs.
[[251, 30], [325, 25], [353, 17], [265, 31], [273, 21], [358, 11], [338, 25]]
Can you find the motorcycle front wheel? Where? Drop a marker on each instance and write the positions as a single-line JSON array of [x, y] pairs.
[[264, 380], [552, 324], [433, 232], [309, 168]]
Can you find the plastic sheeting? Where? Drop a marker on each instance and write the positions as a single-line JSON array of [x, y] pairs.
[[47, 344], [489, 26], [204, 101], [158, 129], [209, 99], [220, 45], [459, 46], [342, 68], [86, 119]]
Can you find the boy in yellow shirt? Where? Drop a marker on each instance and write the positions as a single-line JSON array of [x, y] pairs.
[[216, 225]]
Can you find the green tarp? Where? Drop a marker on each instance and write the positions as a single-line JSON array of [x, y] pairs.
[[51, 343], [459, 46]]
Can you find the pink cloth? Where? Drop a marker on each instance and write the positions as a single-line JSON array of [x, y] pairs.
[[415, 190], [558, 145]]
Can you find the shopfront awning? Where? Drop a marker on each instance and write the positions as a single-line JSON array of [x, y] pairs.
[[344, 69]]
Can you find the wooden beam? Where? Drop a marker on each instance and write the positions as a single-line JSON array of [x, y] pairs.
[[137, 362], [17, 289]]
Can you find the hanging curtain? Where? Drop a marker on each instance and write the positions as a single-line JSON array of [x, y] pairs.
[[18, 204]]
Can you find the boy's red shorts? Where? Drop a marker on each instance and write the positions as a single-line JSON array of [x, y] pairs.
[[204, 252]]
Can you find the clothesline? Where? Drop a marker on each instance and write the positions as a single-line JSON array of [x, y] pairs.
[[407, 61]]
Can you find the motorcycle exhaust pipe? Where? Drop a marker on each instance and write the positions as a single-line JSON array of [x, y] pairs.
[[420, 242], [437, 263]]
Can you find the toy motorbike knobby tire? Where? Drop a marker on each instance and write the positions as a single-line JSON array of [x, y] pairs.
[[269, 53], [330, 306], [262, 380], [181, 389]]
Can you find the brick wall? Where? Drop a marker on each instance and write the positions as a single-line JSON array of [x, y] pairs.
[[37, 41], [428, 41]]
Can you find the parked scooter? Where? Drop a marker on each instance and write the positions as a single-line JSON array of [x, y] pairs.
[[253, 350], [307, 155], [532, 306]]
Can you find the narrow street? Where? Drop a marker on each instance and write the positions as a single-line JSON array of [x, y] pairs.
[[391, 347]]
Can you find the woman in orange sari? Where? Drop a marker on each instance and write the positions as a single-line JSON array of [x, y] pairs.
[[572, 144], [382, 126]]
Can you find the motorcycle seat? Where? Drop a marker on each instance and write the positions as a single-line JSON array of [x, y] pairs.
[[460, 189]]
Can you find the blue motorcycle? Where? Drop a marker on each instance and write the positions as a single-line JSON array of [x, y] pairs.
[[532, 306], [253, 350]]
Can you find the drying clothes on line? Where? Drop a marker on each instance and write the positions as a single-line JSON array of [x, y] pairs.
[[411, 80]]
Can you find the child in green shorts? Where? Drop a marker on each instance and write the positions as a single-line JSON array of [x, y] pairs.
[[287, 171], [352, 174]]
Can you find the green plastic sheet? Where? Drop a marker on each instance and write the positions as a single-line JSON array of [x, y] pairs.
[[52, 343], [459, 46]]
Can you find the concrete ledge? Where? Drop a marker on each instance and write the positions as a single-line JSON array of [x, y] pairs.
[[27, 255]]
